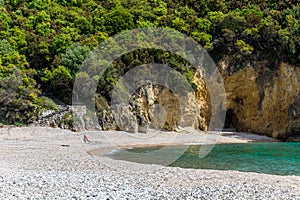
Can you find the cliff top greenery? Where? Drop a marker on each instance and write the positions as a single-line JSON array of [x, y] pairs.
[[43, 42]]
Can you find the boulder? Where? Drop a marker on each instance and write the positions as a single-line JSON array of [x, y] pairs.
[[124, 118]]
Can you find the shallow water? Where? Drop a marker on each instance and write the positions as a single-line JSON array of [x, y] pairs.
[[270, 158]]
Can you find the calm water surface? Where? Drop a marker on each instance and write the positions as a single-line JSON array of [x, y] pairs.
[[270, 158]]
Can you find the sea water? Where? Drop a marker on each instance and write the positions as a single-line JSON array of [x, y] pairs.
[[270, 158]]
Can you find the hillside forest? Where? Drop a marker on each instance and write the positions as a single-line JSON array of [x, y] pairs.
[[44, 42]]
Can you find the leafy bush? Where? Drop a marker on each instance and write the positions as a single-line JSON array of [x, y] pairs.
[[244, 47], [74, 57], [47, 41], [47, 104], [19, 102]]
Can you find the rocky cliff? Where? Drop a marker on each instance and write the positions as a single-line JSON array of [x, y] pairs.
[[260, 100], [162, 108], [265, 101], [159, 108]]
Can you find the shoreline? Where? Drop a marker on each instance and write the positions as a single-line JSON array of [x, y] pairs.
[[167, 138], [131, 140], [51, 163]]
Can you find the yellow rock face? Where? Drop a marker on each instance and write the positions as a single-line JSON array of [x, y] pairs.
[[260, 99], [190, 110], [203, 102]]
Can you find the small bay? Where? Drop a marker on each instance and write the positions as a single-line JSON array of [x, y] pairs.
[[270, 158]]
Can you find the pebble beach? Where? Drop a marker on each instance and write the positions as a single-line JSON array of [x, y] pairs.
[[46, 163]]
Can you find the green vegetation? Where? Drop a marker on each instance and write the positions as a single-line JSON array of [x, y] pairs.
[[44, 42]]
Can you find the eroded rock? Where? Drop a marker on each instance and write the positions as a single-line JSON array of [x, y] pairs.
[[261, 99], [125, 119]]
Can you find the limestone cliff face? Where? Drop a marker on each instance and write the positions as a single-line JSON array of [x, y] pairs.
[[164, 109], [260, 101], [203, 101]]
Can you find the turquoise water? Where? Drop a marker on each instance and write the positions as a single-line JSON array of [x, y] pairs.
[[270, 158]]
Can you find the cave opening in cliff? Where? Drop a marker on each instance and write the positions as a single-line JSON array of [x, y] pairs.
[[230, 121]]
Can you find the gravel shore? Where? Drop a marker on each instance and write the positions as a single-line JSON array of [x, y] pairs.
[[45, 163]]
